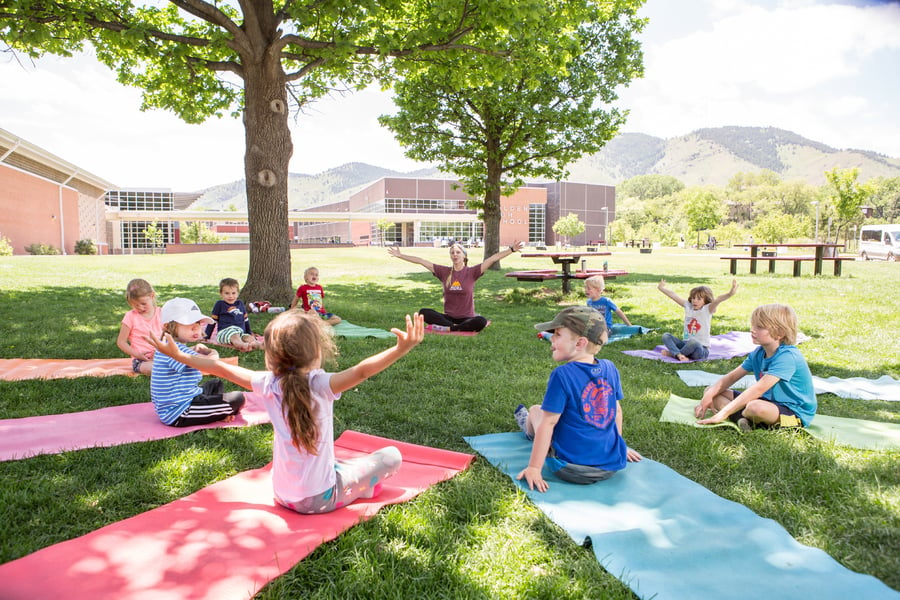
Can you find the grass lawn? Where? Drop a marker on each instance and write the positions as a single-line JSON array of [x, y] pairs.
[[475, 536]]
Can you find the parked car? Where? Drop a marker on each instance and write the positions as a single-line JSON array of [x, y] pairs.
[[881, 242]]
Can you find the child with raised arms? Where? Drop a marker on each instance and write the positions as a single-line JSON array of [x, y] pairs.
[[699, 308], [783, 394], [141, 321], [299, 397]]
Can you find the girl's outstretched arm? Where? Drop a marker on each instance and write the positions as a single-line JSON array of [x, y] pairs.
[[207, 364], [719, 299], [406, 341], [662, 287]]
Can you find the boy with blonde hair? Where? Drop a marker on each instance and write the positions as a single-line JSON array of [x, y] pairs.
[[593, 289], [577, 430], [783, 394]]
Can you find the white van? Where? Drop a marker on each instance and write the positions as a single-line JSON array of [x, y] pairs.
[[879, 242]]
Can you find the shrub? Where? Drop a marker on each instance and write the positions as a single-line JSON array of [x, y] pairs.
[[85, 247], [41, 249], [6, 248]]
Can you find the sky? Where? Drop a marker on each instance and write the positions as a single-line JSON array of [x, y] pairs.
[[825, 69]]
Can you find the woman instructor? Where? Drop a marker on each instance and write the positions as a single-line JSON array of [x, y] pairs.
[[458, 281]]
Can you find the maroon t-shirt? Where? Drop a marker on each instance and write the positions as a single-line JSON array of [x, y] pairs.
[[459, 298]]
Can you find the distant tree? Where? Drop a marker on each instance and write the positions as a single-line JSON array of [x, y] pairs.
[[154, 235], [534, 115], [885, 198], [745, 180], [384, 225], [569, 226], [778, 227], [6, 248], [703, 208], [197, 232], [848, 196], [645, 187], [200, 58]]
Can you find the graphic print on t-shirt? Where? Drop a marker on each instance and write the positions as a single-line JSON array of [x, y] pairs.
[[456, 286], [314, 299], [693, 326], [595, 403]]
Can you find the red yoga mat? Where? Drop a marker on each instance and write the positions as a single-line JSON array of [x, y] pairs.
[[17, 369], [223, 542]]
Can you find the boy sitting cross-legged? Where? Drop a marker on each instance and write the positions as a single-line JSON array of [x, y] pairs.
[[577, 429]]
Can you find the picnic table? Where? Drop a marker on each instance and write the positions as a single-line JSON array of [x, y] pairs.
[[565, 260], [818, 258]]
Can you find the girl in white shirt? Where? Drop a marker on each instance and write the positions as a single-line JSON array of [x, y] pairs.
[[299, 397]]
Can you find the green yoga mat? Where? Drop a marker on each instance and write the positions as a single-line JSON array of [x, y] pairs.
[[669, 538], [349, 330], [867, 435]]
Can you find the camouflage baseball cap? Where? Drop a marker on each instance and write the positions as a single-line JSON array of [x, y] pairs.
[[582, 320]]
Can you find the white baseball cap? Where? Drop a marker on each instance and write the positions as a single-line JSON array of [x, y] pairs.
[[184, 311]]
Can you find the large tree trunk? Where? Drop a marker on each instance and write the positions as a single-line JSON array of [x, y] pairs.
[[492, 212], [268, 153]]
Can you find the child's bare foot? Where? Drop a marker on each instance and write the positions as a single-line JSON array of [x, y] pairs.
[[229, 418], [666, 353], [683, 358]]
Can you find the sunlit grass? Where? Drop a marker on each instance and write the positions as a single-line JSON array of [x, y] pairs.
[[475, 536]]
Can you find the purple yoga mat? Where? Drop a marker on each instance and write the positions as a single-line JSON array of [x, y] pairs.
[[726, 345]]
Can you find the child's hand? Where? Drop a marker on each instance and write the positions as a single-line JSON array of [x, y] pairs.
[[702, 407], [394, 251], [166, 345], [716, 418], [734, 287], [662, 284], [633, 455], [534, 479], [415, 332]]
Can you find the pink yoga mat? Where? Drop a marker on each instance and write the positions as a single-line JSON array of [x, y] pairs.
[[17, 369], [223, 542], [50, 434]]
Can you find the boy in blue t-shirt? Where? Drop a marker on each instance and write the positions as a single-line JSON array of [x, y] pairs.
[[577, 429], [783, 394], [593, 289]]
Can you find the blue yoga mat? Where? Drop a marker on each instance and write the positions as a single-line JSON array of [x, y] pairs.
[[854, 388], [669, 538]]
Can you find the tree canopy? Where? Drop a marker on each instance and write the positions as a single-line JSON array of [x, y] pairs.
[[541, 106], [257, 59]]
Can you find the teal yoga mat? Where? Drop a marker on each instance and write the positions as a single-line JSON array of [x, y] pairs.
[[669, 538], [349, 330], [858, 433]]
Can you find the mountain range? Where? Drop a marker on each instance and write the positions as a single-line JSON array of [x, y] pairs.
[[703, 157]]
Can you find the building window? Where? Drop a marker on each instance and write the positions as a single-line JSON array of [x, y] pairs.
[[537, 219], [140, 200], [428, 231], [133, 237], [406, 205]]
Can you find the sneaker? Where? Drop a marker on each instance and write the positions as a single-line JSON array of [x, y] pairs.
[[744, 424], [789, 421], [439, 328], [521, 415]]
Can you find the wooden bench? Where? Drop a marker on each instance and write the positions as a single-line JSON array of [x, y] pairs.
[[547, 274], [796, 260]]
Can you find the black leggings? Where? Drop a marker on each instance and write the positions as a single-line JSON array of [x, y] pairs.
[[433, 317], [214, 404]]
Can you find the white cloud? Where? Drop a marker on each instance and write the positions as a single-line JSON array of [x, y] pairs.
[[824, 70], [796, 65]]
